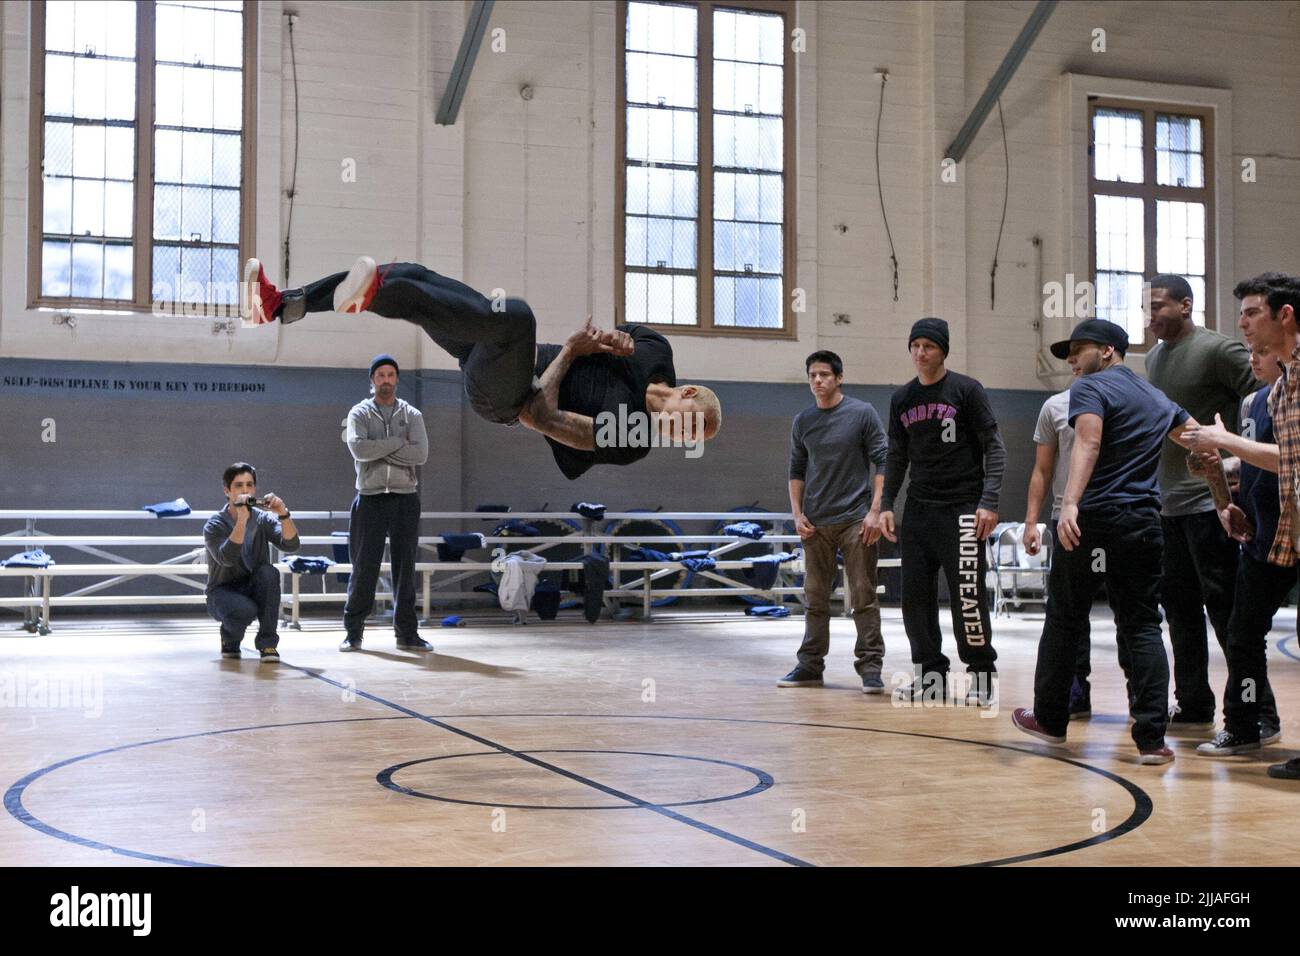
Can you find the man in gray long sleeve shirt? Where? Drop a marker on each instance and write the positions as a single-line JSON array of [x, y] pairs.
[[243, 584], [833, 447], [942, 430], [388, 443]]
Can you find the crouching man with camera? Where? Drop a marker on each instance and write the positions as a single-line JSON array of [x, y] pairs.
[[243, 584]]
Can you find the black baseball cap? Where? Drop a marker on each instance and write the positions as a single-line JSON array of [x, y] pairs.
[[1093, 330]]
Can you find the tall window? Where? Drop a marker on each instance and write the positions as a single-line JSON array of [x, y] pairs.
[[140, 191], [705, 236], [1149, 187]]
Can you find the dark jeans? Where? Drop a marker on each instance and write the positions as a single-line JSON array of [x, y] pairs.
[[495, 343], [375, 517], [254, 598], [1247, 698], [1121, 547], [936, 538], [860, 577], [1199, 569]]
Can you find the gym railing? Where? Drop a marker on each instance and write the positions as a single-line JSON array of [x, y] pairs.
[[118, 569]]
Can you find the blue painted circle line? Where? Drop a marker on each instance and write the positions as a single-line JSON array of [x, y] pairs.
[[1282, 646], [763, 780], [1142, 804]]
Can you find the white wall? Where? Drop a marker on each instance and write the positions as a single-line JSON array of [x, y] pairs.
[[519, 194]]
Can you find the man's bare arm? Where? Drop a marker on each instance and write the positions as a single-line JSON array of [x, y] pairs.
[[1206, 465], [542, 412]]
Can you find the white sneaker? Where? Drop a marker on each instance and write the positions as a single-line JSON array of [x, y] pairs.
[[353, 294]]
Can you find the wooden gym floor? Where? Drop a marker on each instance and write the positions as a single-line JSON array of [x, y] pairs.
[[665, 743]]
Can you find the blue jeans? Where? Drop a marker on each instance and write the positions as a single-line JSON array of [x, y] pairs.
[[254, 598], [1121, 548]]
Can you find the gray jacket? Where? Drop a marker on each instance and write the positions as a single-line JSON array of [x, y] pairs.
[[230, 563], [386, 456]]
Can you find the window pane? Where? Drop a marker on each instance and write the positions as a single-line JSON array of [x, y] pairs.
[[659, 298], [661, 80], [228, 40], [1180, 238], [1117, 145], [167, 156], [634, 297], [88, 93], [169, 42], [196, 215], [58, 149], [1119, 300], [168, 96], [118, 268], [166, 273], [166, 213], [770, 90], [58, 206], [225, 215], [196, 158], [634, 235], [87, 270], [661, 29], [58, 85], [58, 25], [226, 161], [90, 27], [87, 208], [119, 18], [196, 273], [119, 152], [196, 96], [56, 268], [119, 102], [227, 99], [684, 301], [1119, 234], [197, 37], [119, 199], [88, 151], [225, 276]]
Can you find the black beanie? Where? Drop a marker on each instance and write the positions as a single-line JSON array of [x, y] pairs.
[[384, 359], [936, 330]]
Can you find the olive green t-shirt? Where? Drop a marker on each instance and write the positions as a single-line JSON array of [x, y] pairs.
[[1206, 373]]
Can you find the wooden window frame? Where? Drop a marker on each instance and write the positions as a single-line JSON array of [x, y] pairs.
[[704, 162], [1150, 192], [145, 112]]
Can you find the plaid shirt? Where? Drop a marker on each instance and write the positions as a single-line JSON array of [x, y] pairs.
[[1284, 407]]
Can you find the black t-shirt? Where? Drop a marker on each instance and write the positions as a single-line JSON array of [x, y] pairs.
[[602, 383], [1135, 418], [946, 461]]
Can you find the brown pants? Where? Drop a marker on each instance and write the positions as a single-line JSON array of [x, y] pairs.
[[860, 576]]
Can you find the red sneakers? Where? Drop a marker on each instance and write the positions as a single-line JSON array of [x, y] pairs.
[[258, 299], [1026, 723], [357, 290], [1158, 756]]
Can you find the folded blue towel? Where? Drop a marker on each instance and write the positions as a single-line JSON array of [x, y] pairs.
[[169, 509], [515, 529], [36, 558], [744, 529], [589, 510], [453, 620], [646, 554], [767, 610], [454, 546], [309, 564], [699, 564]]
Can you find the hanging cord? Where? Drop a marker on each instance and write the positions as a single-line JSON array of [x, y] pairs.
[[884, 78], [293, 181], [1006, 191]]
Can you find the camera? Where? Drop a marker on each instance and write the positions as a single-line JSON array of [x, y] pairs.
[[255, 503]]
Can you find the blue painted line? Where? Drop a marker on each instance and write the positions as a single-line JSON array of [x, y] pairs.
[[1286, 652]]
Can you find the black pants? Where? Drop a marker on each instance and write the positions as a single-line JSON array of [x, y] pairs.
[[1199, 570], [495, 343], [1248, 699], [239, 604], [1121, 547], [936, 538], [375, 517]]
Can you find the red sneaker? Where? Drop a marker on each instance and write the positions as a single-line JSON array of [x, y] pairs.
[[355, 292], [1157, 756], [258, 299], [1026, 723]]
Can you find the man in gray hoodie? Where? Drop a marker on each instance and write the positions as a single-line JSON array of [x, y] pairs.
[[388, 443]]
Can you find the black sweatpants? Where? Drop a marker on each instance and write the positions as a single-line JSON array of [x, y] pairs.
[[375, 517], [1122, 548], [936, 538], [1198, 574], [1248, 699], [494, 342]]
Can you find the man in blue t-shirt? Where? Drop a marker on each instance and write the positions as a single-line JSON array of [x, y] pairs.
[[1110, 517]]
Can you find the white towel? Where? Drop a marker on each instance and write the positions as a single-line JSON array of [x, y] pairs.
[[519, 580]]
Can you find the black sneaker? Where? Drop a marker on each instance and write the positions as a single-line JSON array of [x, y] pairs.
[[1286, 771], [872, 684], [351, 643], [270, 655], [931, 688], [1178, 721], [800, 677], [1080, 700], [414, 644], [1226, 744], [230, 653], [1269, 733], [983, 688]]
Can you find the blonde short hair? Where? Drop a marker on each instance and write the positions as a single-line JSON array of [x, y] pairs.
[[706, 401]]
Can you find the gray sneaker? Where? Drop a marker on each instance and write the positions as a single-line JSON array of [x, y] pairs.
[[872, 684], [800, 677]]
